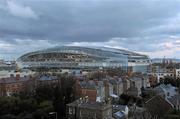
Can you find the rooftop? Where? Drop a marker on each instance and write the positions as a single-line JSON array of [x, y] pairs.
[[90, 105], [14, 80]]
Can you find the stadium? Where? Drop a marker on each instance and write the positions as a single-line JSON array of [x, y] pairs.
[[73, 57]]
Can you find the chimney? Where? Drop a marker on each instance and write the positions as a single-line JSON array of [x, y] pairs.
[[86, 99], [109, 101], [11, 75], [17, 76]]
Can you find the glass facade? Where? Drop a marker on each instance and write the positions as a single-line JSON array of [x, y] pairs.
[[77, 57]]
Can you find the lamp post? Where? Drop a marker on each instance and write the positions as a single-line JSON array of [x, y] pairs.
[[52, 113]]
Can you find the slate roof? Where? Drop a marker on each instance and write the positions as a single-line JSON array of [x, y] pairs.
[[90, 105], [88, 84], [13, 80], [175, 100]]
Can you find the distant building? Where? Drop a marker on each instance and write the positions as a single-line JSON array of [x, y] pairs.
[[166, 60], [8, 73], [100, 91], [97, 91], [108, 89], [46, 79], [137, 83], [7, 65], [84, 58], [152, 80], [86, 88], [126, 84], [20, 82], [162, 71], [117, 84], [111, 87], [13, 84]]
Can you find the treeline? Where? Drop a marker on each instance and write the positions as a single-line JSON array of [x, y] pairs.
[[38, 103]]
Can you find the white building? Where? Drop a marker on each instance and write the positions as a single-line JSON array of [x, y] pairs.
[[162, 72]]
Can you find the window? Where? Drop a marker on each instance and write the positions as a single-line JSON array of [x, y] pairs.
[[70, 110], [108, 113]]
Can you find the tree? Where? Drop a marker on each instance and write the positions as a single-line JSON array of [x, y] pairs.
[[8, 116], [45, 98]]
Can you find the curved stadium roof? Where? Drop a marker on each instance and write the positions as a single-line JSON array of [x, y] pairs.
[[98, 51], [73, 56]]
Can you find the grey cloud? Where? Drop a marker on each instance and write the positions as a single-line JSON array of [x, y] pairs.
[[140, 24], [96, 21]]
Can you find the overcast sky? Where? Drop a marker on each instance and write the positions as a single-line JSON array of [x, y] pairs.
[[148, 26]]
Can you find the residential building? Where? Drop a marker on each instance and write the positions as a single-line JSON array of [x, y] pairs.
[[136, 85], [117, 84], [86, 88], [11, 85], [8, 73], [157, 106], [100, 91], [152, 80], [170, 94], [165, 70], [126, 84], [83, 109], [108, 89]]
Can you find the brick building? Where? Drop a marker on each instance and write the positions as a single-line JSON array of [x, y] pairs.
[[86, 88], [12, 84]]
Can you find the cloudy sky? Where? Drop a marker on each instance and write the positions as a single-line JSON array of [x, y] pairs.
[[148, 26]]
